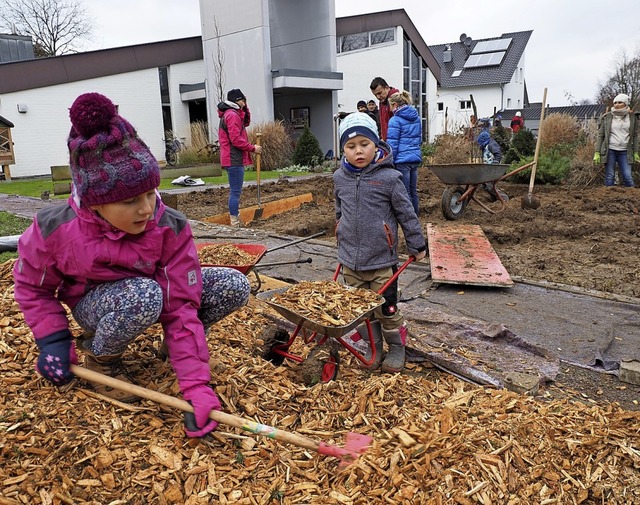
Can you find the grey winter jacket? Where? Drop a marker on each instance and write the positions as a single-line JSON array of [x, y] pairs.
[[604, 132], [370, 204]]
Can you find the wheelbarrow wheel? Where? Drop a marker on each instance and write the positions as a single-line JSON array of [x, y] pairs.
[[452, 205], [321, 365]]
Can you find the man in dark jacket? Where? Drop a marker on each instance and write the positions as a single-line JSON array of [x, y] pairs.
[[382, 91]]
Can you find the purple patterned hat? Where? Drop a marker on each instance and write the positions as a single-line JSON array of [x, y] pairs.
[[108, 161]]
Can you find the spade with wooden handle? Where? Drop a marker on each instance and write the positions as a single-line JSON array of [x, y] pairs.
[[529, 201], [355, 445], [258, 212]]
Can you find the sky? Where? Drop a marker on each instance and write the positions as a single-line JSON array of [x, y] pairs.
[[574, 47]]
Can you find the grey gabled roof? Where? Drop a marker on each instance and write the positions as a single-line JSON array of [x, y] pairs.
[[482, 75], [533, 112], [15, 48]]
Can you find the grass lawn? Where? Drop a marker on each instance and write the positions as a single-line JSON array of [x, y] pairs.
[[35, 187]]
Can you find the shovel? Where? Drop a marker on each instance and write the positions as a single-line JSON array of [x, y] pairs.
[[355, 445], [529, 201], [258, 212]]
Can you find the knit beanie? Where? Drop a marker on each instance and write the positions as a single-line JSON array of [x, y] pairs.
[[358, 123], [361, 103], [234, 95], [483, 139], [108, 161], [622, 98]]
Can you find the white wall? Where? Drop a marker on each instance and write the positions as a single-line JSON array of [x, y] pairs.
[[360, 67], [191, 72], [40, 135]]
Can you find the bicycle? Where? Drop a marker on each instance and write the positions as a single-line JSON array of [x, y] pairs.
[[172, 146]]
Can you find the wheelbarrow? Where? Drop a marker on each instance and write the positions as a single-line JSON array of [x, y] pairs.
[[258, 251], [323, 361], [464, 179]]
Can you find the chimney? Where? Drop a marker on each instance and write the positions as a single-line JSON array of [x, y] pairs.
[[446, 54]]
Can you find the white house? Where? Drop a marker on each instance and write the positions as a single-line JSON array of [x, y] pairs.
[[488, 73]]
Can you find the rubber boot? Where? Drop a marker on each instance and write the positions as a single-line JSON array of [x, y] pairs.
[[376, 330], [396, 340], [235, 221], [108, 364]]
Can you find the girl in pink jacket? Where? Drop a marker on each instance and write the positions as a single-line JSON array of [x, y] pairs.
[[121, 261]]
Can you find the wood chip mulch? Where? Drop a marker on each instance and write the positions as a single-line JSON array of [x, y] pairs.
[[225, 254], [436, 439]]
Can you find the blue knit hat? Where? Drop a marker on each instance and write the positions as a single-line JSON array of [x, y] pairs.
[[358, 123], [483, 139]]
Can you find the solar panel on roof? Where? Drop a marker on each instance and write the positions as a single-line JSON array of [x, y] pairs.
[[484, 59], [488, 46]]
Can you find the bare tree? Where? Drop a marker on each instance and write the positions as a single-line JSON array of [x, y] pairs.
[[625, 78], [218, 63], [56, 27]]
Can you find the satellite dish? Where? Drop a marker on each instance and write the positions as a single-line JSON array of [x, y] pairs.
[[467, 41], [462, 37]]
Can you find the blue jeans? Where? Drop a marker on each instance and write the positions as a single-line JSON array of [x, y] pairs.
[[236, 180], [409, 173], [619, 157]]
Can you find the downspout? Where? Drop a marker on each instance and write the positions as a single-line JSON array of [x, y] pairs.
[[502, 96]]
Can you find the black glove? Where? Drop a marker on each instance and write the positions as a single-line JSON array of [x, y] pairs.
[[57, 353]]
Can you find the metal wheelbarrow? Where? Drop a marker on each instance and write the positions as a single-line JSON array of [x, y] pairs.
[[323, 361], [464, 179], [257, 251]]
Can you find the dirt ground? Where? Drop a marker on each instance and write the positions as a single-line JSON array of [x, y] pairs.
[[583, 237]]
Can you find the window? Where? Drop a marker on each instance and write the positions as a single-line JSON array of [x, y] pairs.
[[456, 73], [440, 106], [363, 40], [465, 104], [382, 36], [353, 42], [508, 103]]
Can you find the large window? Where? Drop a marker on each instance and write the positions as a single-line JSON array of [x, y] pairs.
[[356, 41], [414, 73]]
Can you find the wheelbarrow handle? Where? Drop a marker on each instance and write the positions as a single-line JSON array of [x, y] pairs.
[[297, 241], [278, 263], [390, 281]]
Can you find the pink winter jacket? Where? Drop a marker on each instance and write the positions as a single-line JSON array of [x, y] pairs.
[[67, 251], [232, 135]]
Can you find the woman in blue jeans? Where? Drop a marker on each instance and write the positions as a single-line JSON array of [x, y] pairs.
[[618, 141], [235, 147], [405, 138]]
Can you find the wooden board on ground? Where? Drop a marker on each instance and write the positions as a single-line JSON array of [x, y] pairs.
[[462, 254], [269, 209]]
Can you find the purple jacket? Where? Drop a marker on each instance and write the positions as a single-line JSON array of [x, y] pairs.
[[67, 251]]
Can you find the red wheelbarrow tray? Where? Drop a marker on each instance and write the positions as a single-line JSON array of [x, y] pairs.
[[255, 250], [298, 319]]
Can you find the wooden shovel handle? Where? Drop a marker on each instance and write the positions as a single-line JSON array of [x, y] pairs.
[[258, 156], [537, 151], [216, 415]]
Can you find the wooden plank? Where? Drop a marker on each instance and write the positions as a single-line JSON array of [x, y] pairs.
[[60, 173], [462, 254], [61, 188], [269, 209], [210, 170]]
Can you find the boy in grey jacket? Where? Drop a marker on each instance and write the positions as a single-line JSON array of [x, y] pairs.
[[371, 202]]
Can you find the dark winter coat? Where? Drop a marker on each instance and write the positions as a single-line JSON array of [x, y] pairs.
[[370, 204], [405, 135], [232, 135]]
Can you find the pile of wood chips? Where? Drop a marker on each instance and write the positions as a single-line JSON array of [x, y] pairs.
[[327, 303], [225, 254], [436, 439]]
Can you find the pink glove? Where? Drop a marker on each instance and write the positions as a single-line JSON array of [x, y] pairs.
[[204, 400]]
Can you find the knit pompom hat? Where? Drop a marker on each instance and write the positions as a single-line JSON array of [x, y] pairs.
[[622, 98], [108, 161], [358, 123]]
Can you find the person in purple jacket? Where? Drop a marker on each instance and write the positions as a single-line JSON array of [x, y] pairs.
[[121, 261]]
